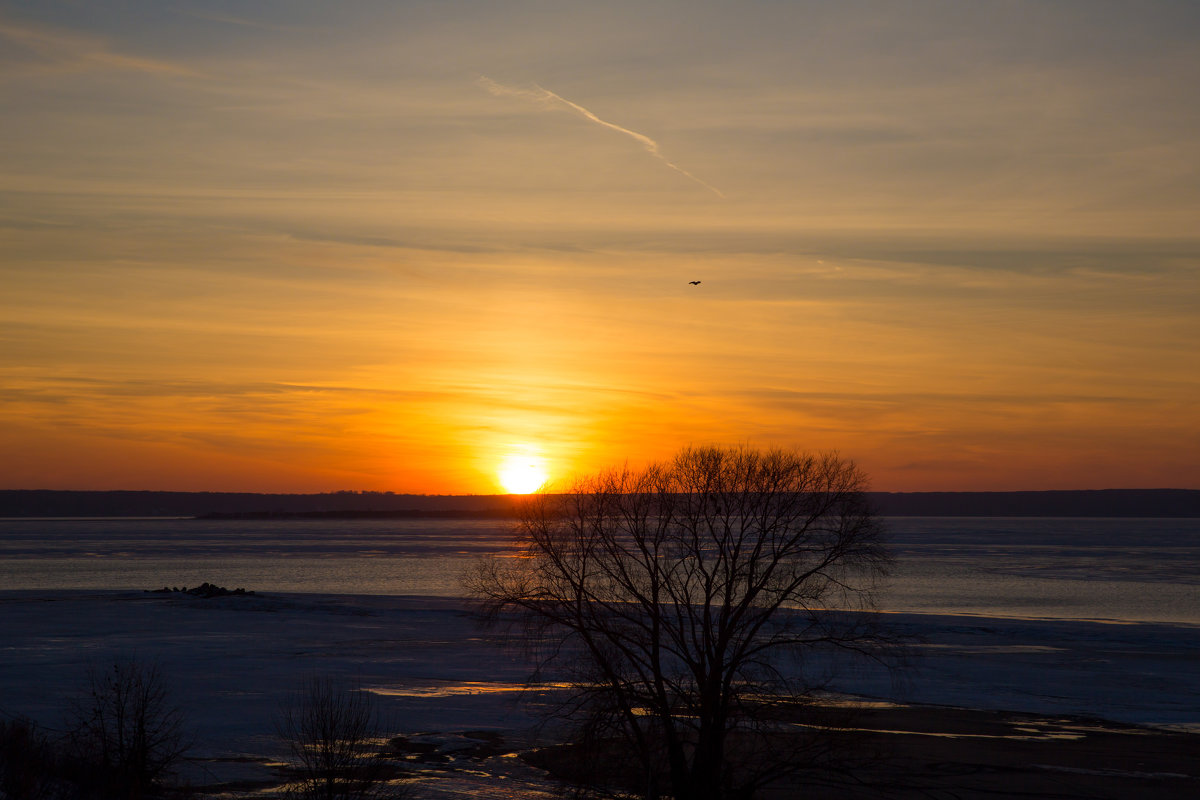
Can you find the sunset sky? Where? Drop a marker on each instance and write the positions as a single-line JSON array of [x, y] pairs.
[[300, 246]]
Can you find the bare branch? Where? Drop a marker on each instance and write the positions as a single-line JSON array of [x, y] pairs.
[[684, 598]]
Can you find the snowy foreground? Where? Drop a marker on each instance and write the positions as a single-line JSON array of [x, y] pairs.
[[232, 661]]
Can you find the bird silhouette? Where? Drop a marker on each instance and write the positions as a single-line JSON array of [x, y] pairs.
[[694, 283]]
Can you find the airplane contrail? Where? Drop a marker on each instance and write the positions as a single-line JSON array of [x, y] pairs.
[[545, 96]]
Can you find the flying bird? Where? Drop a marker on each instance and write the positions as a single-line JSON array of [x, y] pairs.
[[694, 283]]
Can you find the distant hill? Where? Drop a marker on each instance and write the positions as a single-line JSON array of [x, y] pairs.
[[51, 503], [1090, 503]]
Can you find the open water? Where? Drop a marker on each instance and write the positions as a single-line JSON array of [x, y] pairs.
[[1094, 617], [1132, 570]]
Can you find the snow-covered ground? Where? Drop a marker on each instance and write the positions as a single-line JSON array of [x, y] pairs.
[[232, 661]]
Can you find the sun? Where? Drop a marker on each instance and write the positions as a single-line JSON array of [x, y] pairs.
[[522, 474]]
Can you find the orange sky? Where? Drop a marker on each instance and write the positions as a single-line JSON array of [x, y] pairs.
[[388, 247]]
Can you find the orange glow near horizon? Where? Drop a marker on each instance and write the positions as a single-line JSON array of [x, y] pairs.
[[306, 259]]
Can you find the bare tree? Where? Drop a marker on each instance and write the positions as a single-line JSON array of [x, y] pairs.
[[30, 763], [333, 735], [690, 599], [125, 730]]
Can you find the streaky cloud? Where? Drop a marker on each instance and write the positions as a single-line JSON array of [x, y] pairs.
[[546, 97], [243, 22], [69, 51]]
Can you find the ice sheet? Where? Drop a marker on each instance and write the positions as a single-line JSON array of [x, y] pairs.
[[232, 661]]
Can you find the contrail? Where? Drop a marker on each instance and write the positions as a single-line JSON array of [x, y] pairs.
[[547, 97]]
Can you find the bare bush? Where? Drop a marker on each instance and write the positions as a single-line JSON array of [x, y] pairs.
[[333, 734], [30, 764], [124, 732]]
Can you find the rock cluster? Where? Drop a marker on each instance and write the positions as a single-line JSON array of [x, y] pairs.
[[205, 589]]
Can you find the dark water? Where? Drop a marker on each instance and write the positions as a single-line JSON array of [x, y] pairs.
[[1061, 568], [1119, 569]]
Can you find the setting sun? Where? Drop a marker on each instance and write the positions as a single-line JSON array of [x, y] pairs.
[[522, 474], [489, 264]]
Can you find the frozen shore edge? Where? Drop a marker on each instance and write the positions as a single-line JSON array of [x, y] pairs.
[[232, 658]]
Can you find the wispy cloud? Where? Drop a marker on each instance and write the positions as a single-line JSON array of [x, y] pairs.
[[66, 51], [243, 22], [546, 97]]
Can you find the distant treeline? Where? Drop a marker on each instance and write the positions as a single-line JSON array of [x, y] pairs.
[[384, 505], [1089, 503], [51, 503]]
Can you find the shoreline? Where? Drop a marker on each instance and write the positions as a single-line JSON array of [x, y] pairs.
[[896, 752], [972, 754], [921, 751], [947, 727], [1154, 503]]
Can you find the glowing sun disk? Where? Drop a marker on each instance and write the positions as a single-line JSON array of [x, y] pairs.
[[521, 474]]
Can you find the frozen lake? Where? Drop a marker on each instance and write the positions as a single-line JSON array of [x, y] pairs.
[[1134, 570], [1062, 617]]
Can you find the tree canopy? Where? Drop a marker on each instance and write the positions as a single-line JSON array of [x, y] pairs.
[[685, 599]]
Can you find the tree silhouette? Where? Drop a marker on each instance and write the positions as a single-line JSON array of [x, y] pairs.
[[688, 601], [333, 735], [125, 730]]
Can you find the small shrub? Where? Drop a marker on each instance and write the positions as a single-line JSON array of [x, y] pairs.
[[30, 763], [124, 734], [333, 736]]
